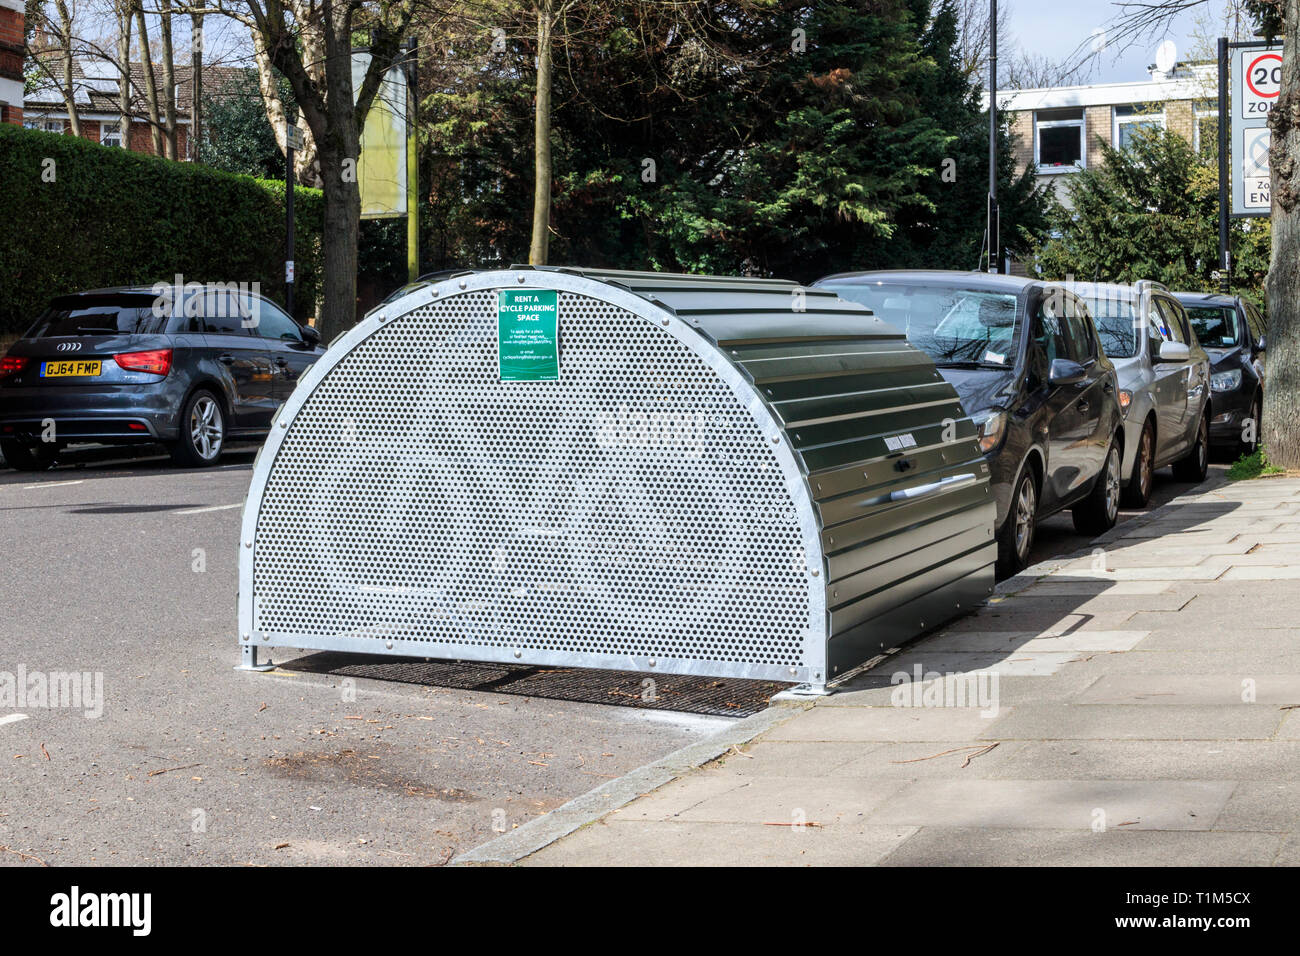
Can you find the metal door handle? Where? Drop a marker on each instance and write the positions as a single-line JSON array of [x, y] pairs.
[[1084, 406], [226, 359], [951, 483], [281, 362]]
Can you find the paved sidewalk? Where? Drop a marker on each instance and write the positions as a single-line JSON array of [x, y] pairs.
[[1147, 712]]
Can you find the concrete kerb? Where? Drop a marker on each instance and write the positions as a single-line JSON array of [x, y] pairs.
[[542, 831], [591, 806]]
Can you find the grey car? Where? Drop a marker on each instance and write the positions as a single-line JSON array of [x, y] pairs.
[[1164, 379], [1233, 333], [134, 365]]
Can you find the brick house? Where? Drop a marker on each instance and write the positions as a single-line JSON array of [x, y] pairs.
[[95, 86], [11, 61], [1056, 131]]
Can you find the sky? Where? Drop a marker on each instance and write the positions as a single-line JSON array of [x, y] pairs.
[[1055, 30]]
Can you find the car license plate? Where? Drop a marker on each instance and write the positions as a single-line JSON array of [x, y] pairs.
[[80, 368]]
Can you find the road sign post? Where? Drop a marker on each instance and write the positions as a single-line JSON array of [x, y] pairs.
[[1256, 82]]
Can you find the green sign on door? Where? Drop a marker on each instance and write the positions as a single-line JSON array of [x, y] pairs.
[[528, 336]]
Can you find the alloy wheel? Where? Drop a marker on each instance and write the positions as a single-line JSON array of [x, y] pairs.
[[206, 428], [1112, 483], [1026, 510]]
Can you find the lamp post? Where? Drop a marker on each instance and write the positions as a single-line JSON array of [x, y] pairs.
[[994, 264]]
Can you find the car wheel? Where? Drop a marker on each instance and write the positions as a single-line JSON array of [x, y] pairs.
[[203, 432], [1096, 514], [1248, 447], [1017, 537], [1138, 490], [1195, 465], [25, 457]]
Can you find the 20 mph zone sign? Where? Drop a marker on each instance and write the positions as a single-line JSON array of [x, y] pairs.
[[1256, 83], [1261, 81]]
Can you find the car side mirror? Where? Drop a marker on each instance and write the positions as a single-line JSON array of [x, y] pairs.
[[310, 335], [1173, 352], [1065, 372]]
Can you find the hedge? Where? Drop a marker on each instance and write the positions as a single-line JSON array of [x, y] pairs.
[[75, 215]]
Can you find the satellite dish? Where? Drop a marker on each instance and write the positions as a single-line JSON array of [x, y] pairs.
[[1166, 56]]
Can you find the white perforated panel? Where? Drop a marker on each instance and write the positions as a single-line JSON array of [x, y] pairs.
[[632, 508]]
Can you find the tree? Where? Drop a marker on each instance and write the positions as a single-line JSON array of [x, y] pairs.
[[1150, 211], [335, 111], [237, 137], [1280, 428]]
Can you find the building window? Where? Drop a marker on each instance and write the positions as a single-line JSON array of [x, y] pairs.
[[1205, 132], [1129, 119], [110, 134], [47, 125], [1059, 140]]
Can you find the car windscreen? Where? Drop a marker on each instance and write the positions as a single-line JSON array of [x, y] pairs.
[[1216, 326], [951, 325], [98, 315], [1117, 324]]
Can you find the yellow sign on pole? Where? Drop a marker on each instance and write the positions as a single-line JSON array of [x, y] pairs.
[[382, 166]]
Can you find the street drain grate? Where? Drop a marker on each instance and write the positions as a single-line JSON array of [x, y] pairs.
[[713, 696]]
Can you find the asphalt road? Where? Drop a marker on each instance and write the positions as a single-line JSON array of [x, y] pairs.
[[128, 569]]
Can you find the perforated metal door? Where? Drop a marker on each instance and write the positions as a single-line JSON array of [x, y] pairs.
[[634, 509]]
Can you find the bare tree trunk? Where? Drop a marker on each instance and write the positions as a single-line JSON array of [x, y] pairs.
[[169, 78], [196, 84], [69, 92], [150, 87], [537, 251], [124, 64], [306, 165], [1281, 426]]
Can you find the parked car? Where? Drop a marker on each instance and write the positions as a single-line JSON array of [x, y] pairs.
[[1234, 333], [1025, 359], [1164, 378], [122, 366]]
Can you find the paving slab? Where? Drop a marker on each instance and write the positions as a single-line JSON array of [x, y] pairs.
[[872, 724], [1058, 804], [722, 844], [1241, 760], [1126, 847], [1243, 689], [1261, 805], [1134, 722]]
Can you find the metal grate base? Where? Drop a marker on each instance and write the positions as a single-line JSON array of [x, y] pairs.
[[713, 696]]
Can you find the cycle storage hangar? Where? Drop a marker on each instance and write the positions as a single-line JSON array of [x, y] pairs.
[[637, 471]]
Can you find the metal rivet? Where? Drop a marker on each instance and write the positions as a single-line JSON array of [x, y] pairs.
[[461, 283], [245, 637], [388, 644], [266, 637], [663, 321], [775, 439], [521, 279], [652, 662], [793, 671], [248, 544], [283, 423], [814, 572], [519, 653]]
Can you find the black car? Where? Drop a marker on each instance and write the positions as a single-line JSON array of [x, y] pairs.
[[1025, 359], [190, 367], [1233, 333]]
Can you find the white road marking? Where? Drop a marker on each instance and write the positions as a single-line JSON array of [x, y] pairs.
[[52, 484], [199, 511], [12, 719]]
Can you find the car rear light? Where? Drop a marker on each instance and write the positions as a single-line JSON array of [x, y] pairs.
[[12, 365], [136, 427], [157, 361]]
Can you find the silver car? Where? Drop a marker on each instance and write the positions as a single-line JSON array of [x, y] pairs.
[[1164, 378]]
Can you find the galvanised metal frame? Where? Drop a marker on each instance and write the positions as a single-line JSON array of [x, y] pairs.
[[813, 667]]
